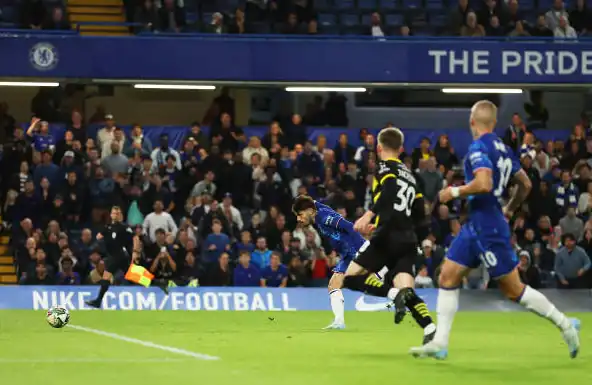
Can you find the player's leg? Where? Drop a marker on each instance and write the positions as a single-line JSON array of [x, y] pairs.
[[407, 297], [104, 283], [360, 275], [461, 257], [532, 299], [337, 301]]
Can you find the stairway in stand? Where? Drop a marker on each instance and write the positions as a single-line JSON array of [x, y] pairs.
[[98, 11], [7, 269]]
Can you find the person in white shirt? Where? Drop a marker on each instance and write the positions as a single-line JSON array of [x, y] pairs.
[[159, 219], [160, 154], [376, 26], [118, 138], [554, 15], [231, 212], [255, 147], [565, 31], [106, 134]]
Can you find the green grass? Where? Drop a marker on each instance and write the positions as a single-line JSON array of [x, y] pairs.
[[486, 348]]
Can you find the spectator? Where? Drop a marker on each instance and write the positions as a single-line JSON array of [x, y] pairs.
[[555, 14], [40, 277], [147, 16], [444, 153], [47, 169], [67, 275], [217, 24], [246, 274], [375, 28], [585, 201], [206, 186], [160, 154], [237, 24], [529, 272], [571, 264], [566, 193], [292, 26], [200, 139], [472, 29], [488, 12], [273, 138], [253, 148], [159, 219], [39, 132], [580, 18], [423, 280], [494, 28], [458, 17], [344, 152], [432, 179], [514, 16], [137, 142], [564, 30], [309, 163], [519, 30], [215, 243], [276, 274], [571, 224], [220, 274], [106, 134], [246, 242], [422, 152], [115, 163], [172, 17], [231, 212], [57, 22], [225, 134], [541, 29], [164, 266], [261, 256]]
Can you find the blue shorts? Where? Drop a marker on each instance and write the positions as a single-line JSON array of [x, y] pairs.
[[494, 251], [341, 267]]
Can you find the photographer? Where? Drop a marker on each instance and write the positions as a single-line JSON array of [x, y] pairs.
[[164, 266]]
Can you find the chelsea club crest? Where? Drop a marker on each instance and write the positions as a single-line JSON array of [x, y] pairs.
[[43, 56]]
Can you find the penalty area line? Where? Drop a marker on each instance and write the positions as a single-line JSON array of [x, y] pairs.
[[147, 344]]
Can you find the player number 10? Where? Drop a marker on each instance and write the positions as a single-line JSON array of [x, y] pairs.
[[488, 259]]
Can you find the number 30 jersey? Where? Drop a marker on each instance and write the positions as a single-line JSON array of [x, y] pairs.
[[489, 152], [398, 201]]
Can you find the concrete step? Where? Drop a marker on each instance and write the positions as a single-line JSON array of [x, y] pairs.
[[104, 33], [6, 260], [95, 2], [4, 240], [85, 9], [98, 18], [7, 269]]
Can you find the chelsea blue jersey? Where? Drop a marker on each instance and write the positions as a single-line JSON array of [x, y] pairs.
[[338, 231], [489, 152]]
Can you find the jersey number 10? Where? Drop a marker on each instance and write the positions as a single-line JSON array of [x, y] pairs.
[[406, 196]]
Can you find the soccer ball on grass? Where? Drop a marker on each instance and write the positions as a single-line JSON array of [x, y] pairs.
[[57, 317]]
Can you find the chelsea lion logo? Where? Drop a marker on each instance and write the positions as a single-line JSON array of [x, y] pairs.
[[43, 56]]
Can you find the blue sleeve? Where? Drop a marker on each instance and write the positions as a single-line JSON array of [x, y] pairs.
[[516, 166], [478, 158]]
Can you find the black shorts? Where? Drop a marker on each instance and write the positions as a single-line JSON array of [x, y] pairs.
[[397, 256]]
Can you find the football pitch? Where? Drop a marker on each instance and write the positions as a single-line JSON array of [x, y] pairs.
[[281, 348]]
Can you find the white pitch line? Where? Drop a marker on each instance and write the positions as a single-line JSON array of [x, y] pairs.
[[147, 344], [90, 360]]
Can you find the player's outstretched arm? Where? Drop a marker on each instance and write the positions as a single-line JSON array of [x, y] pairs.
[[482, 183], [520, 194]]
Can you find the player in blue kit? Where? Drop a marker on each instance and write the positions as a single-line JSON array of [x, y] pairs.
[[343, 238], [485, 237]]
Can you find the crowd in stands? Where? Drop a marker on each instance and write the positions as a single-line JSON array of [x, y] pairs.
[[217, 209], [378, 18]]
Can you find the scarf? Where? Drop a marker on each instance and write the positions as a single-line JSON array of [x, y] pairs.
[[567, 196]]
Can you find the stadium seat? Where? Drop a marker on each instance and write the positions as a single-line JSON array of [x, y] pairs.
[[349, 20], [395, 20], [261, 28], [437, 19], [322, 5], [206, 18], [527, 5], [388, 4], [345, 5], [8, 14], [329, 29], [327, 19], [434, 4], [191, 17], [412, 4], [367, 5], [366, 19], [545, 5], [352, 30]]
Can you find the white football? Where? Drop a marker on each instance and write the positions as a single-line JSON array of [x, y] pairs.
[[58, 317]]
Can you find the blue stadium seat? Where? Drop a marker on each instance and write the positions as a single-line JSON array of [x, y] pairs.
[[394, 19], [366, 19], [545, 5], [434, 4], [353, 30], [329, 29], [437, 19], [367, 5], [388, 4], [345, 5], [412, 4], [8, 14], [191, 17], [206, 17], [527, 5], [327, 19], [261, 28], [322, 4], [349, 20]]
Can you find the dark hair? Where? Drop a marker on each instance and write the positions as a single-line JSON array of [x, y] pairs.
[[301, 203], [567, 236]]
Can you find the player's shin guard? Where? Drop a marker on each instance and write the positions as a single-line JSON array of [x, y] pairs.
[[419, 309], [536, 302], [367, 283]]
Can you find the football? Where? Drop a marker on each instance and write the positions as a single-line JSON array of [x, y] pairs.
[[58, 317]]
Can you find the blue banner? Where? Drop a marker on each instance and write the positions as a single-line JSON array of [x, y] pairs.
[[254, 299], [202, 58]]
